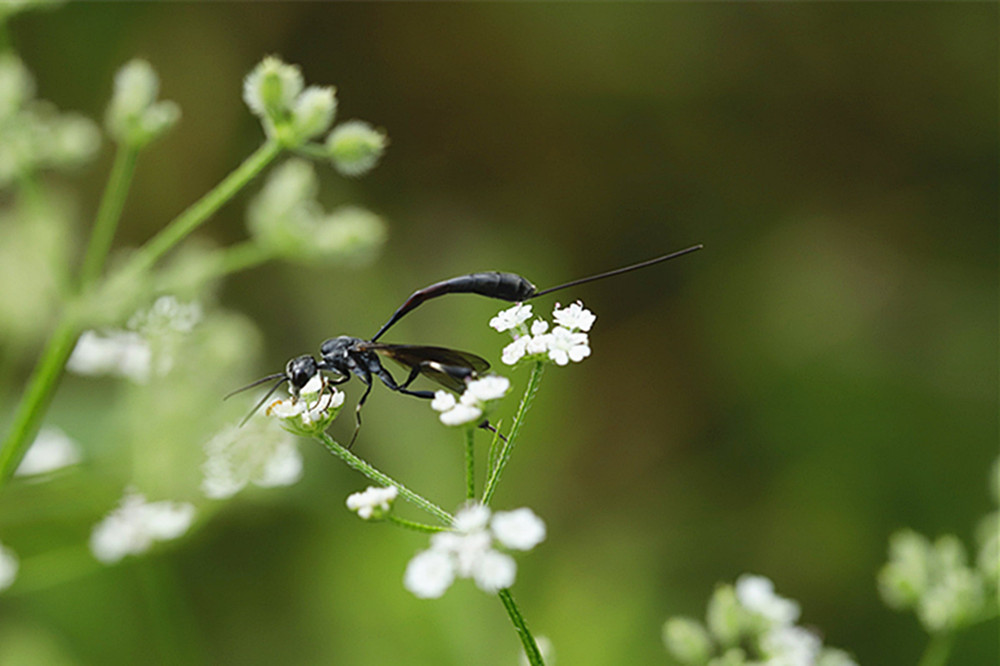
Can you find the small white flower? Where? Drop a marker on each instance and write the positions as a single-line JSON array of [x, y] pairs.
[[311, 411], [136, 524], [515, 351], [461, 415], [790, 646], [8, 567], [313, 111], [511, 318], [491, 387], [51, 450], [429, 574], [756, 593], [374, 501], [472, 517], [272, 87], [467, 551], [260, 453], [565, 346], [494, 571], [520, 529], [120, 353], [443, 401], [539, 327], [575, 317], [355, 147]]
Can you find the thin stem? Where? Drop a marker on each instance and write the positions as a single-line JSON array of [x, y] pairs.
[[470, 464], [201, 210], [108, 214], [415, 526], [527, 640], [375, 475], [37, 397], [938, 649], [515, 428], [240, 257]]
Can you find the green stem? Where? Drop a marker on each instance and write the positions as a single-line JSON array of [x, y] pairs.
[[470, 464], [203, 208], [415, 526], [241, 257], [360, 465], [508, 446], [108, 214], [527, 640], [938, 649], [37, 397]]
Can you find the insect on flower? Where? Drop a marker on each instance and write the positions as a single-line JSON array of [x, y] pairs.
[[347, 356]]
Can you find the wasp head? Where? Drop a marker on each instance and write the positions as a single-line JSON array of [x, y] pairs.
[[300, 370]]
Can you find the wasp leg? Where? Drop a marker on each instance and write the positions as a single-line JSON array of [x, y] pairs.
[[357, 410], [485, 425]]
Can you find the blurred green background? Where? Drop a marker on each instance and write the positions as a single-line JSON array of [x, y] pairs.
[[824, 372]]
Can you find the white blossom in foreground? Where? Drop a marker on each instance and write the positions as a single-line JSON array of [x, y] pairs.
[[568, 341], [372, 502], [751, 615], [478, 398], [52, 450], [467, 551], [136, 524], [8, 567], [260, 453]]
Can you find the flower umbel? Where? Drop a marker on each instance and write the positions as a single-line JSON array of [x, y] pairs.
[[468, 551], [566, 342], [373, 502], [136, 524], [478, 399], [260, 453], [312, 410]]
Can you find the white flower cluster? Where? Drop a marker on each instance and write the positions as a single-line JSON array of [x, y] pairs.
[[146, 349], [749, 624], [474, 402], [373, 502], [310, 412], [136, 524], [8, 567], [261, 453], [566, 342], [468, 551], [52, 450]]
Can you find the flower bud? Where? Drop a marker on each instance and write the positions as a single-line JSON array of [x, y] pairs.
[[313, 112], [355, 147], [271, 88], [687, 640], [133, 116], [725, 616]]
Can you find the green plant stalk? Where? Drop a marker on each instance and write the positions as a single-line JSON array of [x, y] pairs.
[[45, 378], [529, 395], [415, 526], [198, 212], [470, 464], [360, 465], [527, 640], [109, 212], [938, 649]]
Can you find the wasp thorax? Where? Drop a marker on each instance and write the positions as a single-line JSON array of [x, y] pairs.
[[300, 370]]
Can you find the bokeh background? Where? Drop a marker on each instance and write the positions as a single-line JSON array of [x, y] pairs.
[[824, 372]]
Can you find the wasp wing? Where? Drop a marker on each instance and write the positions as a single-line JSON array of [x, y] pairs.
[[448, 367]]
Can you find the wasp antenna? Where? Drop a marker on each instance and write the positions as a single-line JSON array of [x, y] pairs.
[[264, 399], [618, 271], [256, 383]]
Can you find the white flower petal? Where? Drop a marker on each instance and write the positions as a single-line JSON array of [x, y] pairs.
[[132, 528], [520, 529], [429, 574], [472, 517], [494, 571], [574, 317], [511, 318], [513, 352], [492, 387], [460, 415], [443, 401]]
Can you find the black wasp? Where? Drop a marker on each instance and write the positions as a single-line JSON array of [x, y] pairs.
[[346, 356]]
